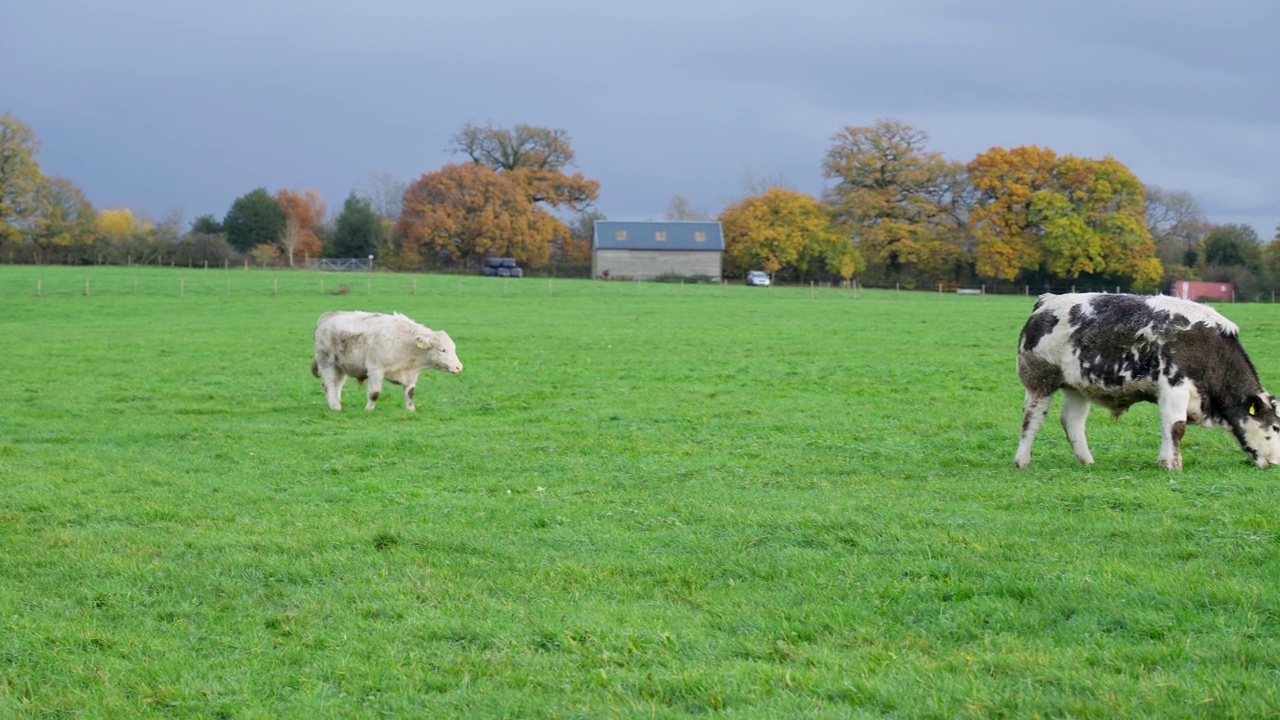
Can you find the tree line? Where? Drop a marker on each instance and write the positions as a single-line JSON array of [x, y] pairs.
[[894, 212]]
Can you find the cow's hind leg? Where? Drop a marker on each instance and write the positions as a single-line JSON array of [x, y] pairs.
[[1173, 403], [1075, 412], [1034, 410], [333, 379]]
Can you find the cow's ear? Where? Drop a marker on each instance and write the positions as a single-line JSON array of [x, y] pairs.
[[422, 342], [1257, 406]]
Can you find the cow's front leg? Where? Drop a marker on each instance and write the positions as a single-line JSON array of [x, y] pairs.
[[1035, 408], [1075, 412], [374, 387], [1173, 402]]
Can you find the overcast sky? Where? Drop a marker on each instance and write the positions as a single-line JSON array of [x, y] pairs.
[[163, 105]]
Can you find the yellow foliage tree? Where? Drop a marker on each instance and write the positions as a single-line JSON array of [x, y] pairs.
[[1065, 216], [117, 225], [784, 228]]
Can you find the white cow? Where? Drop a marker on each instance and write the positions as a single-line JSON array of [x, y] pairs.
[[376, 347], [1116, 350]]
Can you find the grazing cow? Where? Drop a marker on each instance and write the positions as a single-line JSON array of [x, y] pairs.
[[1116, 350], [377, 347]]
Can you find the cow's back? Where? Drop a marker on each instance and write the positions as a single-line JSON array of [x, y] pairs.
[[359, 340], [1115, 348], [346, 339]]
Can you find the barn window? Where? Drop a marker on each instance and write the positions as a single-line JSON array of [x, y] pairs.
[[619, 235], [660, 235], [700, 236]]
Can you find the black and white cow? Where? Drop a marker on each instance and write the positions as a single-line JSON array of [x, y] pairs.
[[1116, 350]]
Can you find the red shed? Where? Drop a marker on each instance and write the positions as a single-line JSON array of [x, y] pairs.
[[1199, 290]]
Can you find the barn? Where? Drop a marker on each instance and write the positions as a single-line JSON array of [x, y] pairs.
[[650, 249]]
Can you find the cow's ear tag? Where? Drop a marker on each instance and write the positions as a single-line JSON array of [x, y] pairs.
[[1253, 410], [422, 345]]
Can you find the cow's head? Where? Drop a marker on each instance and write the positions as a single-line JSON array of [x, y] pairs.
[[439, 351], [1259, 431]]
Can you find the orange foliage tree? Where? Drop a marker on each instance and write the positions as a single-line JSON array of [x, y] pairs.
[[302, 213], [534, 157], [1065, 216], [784, 228], [576, 247], [535, 161], [469, 211]]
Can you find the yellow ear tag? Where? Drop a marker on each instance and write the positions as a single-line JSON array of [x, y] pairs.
[[1252, 410], [423, 346]]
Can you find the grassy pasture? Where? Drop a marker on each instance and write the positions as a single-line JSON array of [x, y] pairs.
[[637, 501]]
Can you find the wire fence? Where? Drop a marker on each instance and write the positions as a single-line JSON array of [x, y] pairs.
[[115, 281]]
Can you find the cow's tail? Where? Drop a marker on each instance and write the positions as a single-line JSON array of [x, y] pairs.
[[315, 368]]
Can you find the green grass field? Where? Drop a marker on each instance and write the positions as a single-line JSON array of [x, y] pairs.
[[637, 501]]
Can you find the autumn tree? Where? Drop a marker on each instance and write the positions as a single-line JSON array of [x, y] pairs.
[[898, 201], [468, 211], [255, 218], [1065, 217], [120, 225], [20, 176], [1006, 181], [785, 229], [537, 159], [63, 218], [302, 213], [358, 229]]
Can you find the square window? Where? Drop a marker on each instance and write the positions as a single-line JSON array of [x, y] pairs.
[[660, 235], [619, 235], [699, 236]]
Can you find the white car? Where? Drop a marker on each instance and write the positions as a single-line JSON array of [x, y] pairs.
[[757, 278]]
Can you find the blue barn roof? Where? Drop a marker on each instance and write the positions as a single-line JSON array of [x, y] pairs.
[[658, 235]]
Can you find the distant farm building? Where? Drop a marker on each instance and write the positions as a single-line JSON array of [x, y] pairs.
[[647, 250], [1198, 290]]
